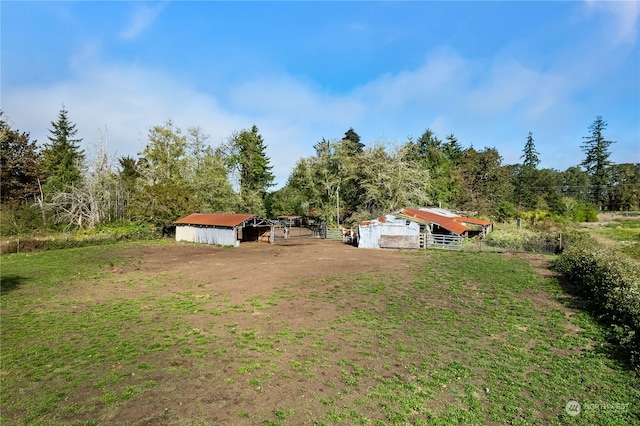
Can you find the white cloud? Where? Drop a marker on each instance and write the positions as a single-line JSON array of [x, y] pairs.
[[492, 103], [622, 18], [143, 17]]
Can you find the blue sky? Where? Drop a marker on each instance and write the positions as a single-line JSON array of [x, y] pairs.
[[488, 72]]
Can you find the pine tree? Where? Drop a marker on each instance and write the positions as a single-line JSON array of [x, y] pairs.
[[453, 150], [526, 177], [596, 163], [62, 158], [251, 161], [530, 154], [351, 143]]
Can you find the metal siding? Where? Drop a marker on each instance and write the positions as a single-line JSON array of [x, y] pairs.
[[220, 236], [369, 235]]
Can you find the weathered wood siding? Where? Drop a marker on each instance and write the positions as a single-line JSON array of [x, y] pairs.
[[400, 241], [369, 235]]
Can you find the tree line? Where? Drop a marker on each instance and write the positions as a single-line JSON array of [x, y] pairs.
[[60, 186]]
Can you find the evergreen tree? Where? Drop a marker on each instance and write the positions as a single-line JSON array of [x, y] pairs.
[[62, 158], [248, 156], [351, 143], [526, 186], [20, 166], [597, 162], [530, 154], [453, 150]]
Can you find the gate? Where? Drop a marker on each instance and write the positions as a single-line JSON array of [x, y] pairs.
[[442, 242]]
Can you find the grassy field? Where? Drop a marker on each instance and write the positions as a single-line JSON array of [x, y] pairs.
[[460, 338]]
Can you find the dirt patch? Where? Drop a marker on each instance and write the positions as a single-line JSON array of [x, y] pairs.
[[256, 268]]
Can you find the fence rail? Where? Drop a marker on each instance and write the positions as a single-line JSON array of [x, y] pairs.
[[442, 242]]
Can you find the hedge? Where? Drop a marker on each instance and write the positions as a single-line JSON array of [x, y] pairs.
[[611, 284]]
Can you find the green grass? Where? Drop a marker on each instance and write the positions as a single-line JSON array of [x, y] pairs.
[[463, 338], [626, 234]]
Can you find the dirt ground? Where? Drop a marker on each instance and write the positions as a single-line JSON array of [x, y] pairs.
[[257, 268], [252, 270]]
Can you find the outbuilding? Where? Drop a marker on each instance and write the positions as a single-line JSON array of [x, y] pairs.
[[225, 229], [420, 228]]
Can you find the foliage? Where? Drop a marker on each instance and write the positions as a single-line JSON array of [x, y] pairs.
[[597, 163], [62, 157], [523, 239], [100, 235], [530, 155], [506, 210], [247, 155], [485, 183], [20, 166], [625, 194], [611, 285], [161, 205], [19, 219], [436, 160], [164, 158], [580, 212]]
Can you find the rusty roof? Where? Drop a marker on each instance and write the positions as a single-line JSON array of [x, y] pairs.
[[215, 219], [472, 220], [445, 222]]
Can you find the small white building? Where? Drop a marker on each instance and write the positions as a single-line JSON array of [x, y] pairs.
[[389, 231], [225, 229], [420, 228]]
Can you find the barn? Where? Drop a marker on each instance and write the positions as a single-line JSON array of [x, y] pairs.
[[225, 229], [420, 228]]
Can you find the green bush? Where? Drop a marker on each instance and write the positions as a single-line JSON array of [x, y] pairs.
[[522, 239], [506, 210], [581, 212], [612, 286], [102, 234]]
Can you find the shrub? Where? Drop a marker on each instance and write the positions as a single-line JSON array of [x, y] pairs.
[[581, 212], [612, 286], [506, 210], [102, 234], [523, 239]]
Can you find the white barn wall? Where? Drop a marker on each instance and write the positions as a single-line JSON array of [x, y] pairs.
[[369, 235], [186, 233]]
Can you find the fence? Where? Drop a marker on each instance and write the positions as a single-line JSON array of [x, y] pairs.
[[442, 242]]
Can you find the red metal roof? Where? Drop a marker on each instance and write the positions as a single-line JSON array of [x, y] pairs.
[[471, 220], [215, 219], [447, 223]]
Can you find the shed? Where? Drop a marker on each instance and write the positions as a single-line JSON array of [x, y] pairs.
[[226, 229], [403, 228], [389, 231], [442, 221]]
